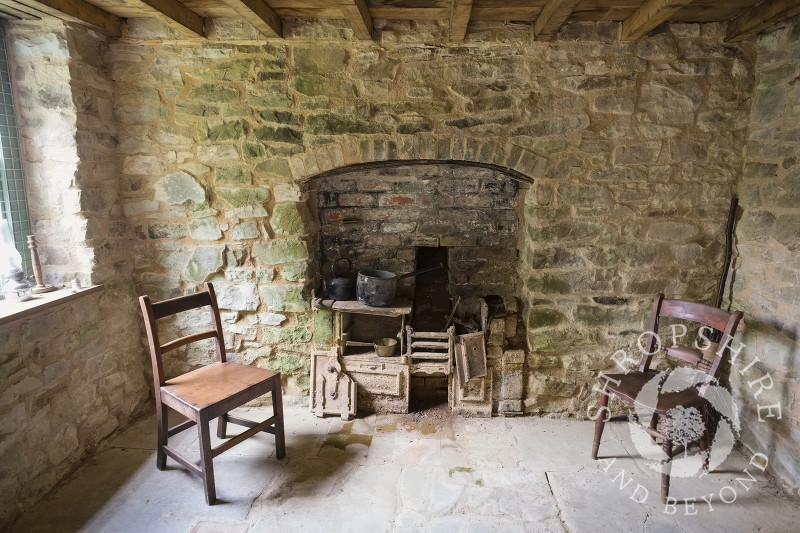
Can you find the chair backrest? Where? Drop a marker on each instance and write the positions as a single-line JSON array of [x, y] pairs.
[[709, 316], [153, 311]]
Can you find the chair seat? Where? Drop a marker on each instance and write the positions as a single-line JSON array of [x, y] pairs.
[[209, 385], [631, 384]]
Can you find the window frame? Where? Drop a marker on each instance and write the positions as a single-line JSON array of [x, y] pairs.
[[13, 196]]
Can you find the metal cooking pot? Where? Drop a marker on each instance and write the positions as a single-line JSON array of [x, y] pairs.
[[376, 288], [340, 287]]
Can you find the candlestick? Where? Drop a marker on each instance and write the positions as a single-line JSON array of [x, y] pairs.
[[37, 268]]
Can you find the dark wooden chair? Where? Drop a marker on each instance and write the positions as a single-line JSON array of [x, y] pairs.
[[208, 392], [627, 386]]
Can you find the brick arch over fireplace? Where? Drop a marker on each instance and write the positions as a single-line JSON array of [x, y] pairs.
[[517, 161]]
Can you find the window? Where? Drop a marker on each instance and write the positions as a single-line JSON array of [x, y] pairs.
[[13, 204]]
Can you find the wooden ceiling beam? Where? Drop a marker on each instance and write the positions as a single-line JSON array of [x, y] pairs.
[[648, 16], [460, 13], [76, 11], [357, 14], [761, 16], [259, 15], [553, 15], [14, 10], [176, 16]]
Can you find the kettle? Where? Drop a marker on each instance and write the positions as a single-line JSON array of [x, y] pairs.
[[340, 287]]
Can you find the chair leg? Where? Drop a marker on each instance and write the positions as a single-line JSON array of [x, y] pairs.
[[206, 463], [222, 426], [666, 465], [602, 414], [277, 410], [704, 437], [654, 424], [163, 435]]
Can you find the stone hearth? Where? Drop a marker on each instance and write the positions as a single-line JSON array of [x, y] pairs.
[[393, 216]]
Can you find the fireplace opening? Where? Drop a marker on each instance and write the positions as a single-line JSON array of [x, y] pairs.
[[459, 329], [431, 295], [427, 393]]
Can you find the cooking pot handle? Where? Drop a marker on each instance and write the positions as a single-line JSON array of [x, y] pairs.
[[421, 271], [333, 266]]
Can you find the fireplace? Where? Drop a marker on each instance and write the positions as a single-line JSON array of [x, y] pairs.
[[404, 217]]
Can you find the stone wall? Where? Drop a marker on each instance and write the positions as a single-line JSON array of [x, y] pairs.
[[634, 150], [73, 374], [766, 277]]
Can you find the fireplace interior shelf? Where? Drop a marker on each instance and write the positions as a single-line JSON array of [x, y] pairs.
[[357, 325], [399, 308]]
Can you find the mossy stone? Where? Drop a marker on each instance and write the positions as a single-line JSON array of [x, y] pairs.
[[233, 70], [339, 125], [277, 167], [213, 92], [278, 335], [286, 363], [243, 197], [281, 251], [254, 149], [233, 176], [163, 230], [294, 272], [196, 109], [323, 328], [541, 318], [281, 117], [548, 283], [420, 107], [287, 219], [222, 131], [319, 86], [320, 59], [288, 298], [282, 134]]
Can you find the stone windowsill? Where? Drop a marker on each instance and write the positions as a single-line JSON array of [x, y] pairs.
[[11, 310]]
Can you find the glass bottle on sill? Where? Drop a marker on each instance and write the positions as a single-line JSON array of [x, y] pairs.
[[17, 287], [10, 259]]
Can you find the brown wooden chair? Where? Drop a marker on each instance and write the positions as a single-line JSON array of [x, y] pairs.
[[628, 386], [208, 392]]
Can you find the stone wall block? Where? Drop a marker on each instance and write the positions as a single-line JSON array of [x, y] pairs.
[[281, 251], [511, 381], [288, 298], [444, 149], [637, 154]]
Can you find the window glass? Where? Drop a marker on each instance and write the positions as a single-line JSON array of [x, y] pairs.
[[13, 204]]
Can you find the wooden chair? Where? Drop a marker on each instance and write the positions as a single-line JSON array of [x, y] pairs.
[[628, 386], [208, 392]]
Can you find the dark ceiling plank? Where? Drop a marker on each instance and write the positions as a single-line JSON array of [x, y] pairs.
[[13, 10], [516, 14], [259, 15], [761, 16], [176, 16], [410, 13], [77, 11], [357, 15], [648, 16], [460, 13], [553, 15]]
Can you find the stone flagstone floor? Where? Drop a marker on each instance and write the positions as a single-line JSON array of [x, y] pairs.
[[424, 471]]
